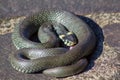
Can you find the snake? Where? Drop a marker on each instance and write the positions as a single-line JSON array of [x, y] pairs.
[[47, 55]]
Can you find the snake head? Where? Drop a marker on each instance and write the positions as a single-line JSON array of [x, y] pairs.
[[69, 39]]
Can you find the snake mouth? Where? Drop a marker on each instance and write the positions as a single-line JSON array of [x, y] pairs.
[[69, 43]]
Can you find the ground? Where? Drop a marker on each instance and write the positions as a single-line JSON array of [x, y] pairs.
[[102, 16]]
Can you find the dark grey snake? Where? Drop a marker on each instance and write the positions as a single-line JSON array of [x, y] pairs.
[[46, 56]]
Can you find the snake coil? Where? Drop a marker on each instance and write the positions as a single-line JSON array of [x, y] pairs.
[[58, 62]]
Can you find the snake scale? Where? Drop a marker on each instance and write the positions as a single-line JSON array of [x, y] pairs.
[[45, 56]]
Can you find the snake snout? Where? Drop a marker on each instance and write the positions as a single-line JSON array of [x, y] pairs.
[[69, 43]]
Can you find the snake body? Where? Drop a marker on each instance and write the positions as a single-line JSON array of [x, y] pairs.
[[59, 62]]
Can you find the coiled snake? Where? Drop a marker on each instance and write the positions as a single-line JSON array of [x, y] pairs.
[[54, 27]]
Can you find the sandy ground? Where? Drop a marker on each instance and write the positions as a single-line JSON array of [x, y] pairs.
[[104, 19]]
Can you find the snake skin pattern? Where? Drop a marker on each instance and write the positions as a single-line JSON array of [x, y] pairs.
[[53, 61]]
